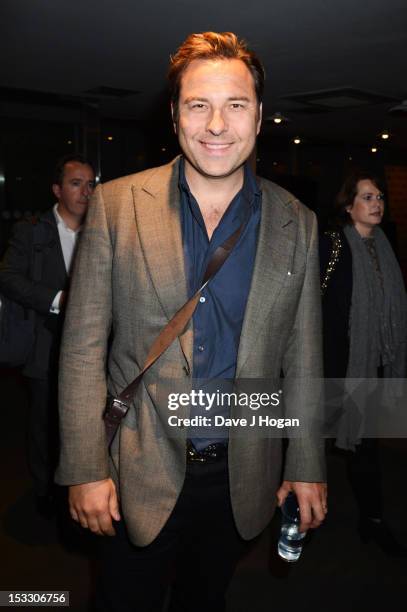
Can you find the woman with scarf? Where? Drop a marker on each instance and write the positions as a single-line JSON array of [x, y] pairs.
[[365, 331]]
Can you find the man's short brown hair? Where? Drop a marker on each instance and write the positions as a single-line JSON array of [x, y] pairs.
[[212, 46]]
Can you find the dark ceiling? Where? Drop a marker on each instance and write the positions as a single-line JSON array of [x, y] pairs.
[[86, 49]]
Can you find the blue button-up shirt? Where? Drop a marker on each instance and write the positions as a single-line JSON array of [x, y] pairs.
[[218, 318]]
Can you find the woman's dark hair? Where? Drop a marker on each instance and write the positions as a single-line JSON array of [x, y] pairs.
[[347, 194], [213, 46]]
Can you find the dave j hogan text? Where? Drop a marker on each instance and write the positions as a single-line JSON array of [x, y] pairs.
[[256, 420]]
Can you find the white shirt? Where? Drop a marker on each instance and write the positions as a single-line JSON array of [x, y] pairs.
[[69, 239]]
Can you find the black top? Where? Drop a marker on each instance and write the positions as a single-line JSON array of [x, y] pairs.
[[336, 303]]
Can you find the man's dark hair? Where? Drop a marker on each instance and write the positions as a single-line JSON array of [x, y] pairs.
[[212, 46], [347, 194], [61, 163]]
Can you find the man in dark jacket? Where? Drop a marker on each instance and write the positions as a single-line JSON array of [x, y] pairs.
[[50, 241]]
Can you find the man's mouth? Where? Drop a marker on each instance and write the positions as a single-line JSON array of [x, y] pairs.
[[215, 146]]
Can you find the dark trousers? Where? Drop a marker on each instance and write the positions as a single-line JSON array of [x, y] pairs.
[[364, 475], [43, 440], [196, 551]]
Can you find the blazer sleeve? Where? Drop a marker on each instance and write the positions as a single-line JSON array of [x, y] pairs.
[[302, 368], [15, 272], [82, 380]]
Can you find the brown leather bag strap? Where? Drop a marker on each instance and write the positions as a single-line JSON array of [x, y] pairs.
[[118, 407]]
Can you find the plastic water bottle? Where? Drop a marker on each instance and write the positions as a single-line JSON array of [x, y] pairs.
[[291, 540]]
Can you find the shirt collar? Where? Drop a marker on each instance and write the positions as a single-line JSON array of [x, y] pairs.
[[60, 221], [250, 190]]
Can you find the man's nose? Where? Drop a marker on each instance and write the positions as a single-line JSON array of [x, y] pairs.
[[216, 123], [87, 190]]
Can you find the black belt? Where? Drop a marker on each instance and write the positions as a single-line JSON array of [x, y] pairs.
[[209, 454]]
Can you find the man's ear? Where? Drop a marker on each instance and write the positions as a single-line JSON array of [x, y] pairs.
[[173, 116], [56, 190], [259, 118]]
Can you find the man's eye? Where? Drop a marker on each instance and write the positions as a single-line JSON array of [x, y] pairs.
[[236, 105], [198, 106]]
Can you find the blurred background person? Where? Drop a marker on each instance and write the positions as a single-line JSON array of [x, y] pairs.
[[53, 238], [365, 331]]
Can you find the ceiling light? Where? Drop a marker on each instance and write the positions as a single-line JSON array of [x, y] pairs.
[[297, 140], [69, 142], [374, 149], [278, 118], [385, 135], [110, 138]]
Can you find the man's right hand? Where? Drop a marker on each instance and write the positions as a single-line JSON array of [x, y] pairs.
[[94, 504]]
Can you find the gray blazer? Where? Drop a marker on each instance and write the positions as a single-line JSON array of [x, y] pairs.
[[128, 280]]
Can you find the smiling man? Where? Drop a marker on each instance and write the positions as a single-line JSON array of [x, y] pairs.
[[184, 506]]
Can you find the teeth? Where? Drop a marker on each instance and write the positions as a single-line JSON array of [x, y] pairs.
[[215, 146]]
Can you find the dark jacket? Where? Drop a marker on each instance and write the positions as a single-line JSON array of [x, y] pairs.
[[336, 303], [17, 285]]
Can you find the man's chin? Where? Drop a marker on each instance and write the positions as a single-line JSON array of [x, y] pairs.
[[216, 171]]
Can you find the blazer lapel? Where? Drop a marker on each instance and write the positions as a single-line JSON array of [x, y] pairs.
[[54, 242], [157, 211], [60, 262], [274, 259]]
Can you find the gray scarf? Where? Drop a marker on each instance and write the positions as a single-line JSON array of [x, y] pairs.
[[378, 317], [377, 330]]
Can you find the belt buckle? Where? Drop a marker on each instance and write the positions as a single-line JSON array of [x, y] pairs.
[[194, 456], [209, 454], [214, 452], [116, 409]]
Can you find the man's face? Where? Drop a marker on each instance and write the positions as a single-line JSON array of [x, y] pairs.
[[73, 195], [218, 118]]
